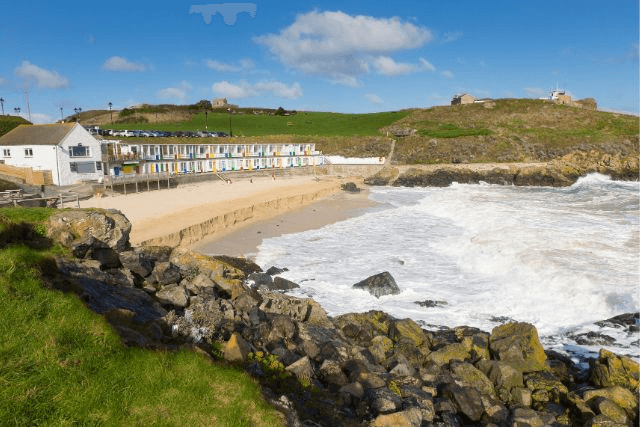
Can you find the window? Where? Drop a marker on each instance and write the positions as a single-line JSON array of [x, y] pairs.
[[6, 152], [28, 152], [98, 166], [79, 151], [83, 167]]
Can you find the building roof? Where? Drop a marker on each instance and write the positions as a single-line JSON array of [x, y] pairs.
[[51, 134]]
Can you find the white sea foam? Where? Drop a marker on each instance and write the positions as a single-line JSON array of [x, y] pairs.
[[560, 259]]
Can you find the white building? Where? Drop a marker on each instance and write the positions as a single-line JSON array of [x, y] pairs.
[[67, 150]]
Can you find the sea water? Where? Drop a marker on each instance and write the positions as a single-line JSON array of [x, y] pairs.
[[481, 255]]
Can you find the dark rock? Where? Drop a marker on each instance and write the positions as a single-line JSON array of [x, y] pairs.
[[242, 264], [107, 257], [379, 285], [350, 187], [382, 400], [272, 271], [165, 273], [331, 373], [81, 247], [593, 338], [142, 260], [630, 322], [431, 303], [466, 399], [280, 284], [97, 291], [260, 280]]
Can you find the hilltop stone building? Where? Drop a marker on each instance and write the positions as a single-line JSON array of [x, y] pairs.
[[222, 103], [463, 98], [560, 97]]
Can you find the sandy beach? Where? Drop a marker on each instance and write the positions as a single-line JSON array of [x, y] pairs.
[[186, 214], [245, 239]]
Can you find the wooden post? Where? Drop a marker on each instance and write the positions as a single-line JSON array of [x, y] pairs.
[[124, 186], [61, 202]]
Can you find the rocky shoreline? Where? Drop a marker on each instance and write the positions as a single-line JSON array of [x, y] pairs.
[[560, 172], [357, 369]]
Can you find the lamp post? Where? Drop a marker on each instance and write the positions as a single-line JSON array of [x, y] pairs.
[[61, 115], [230, 130], [78, 111], [111, 112], [2, 103], [206, 121], [17, 110]]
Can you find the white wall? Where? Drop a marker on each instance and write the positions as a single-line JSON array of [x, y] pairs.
[[77, 136]]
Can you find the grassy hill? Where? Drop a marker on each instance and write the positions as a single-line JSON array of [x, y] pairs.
[[302, 123], [512, 130], [62, 364], [9, 122], [503, 130]]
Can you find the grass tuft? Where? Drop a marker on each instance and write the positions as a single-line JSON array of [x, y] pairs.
[[62, 364]]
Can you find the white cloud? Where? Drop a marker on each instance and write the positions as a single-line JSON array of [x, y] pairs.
[[118, 63], [536, 91], [388, 67], [3, 81], [447, 74], [245, 65], [426, 65], [246, 90], [39, 118], [374, 99], [230, 90], [280, 89], [343, 47], [43, 78], [181, 92]]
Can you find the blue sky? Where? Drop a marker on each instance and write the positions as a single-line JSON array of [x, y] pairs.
[[349, 56]]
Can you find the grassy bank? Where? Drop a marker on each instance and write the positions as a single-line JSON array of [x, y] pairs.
[[302, 123], [62, 364]]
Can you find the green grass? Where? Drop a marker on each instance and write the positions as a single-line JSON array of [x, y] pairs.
[[302, 123], [61, 364], [7, 123], [450, 130]]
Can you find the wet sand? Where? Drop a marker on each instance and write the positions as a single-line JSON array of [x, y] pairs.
[[244, 240]]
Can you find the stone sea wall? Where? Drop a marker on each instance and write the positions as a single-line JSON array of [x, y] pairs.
[[357, 369]]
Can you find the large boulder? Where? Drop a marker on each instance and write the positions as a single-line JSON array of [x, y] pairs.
[[108, 227], [518, 345], [621, 396], [143, 259], [610, 369], [174, 294], [300, 309], [379, 285]]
